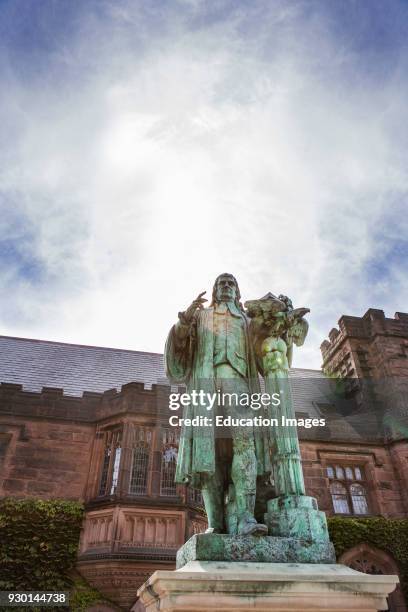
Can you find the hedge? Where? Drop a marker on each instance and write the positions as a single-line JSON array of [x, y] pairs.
[[38, 543], [38, 549]]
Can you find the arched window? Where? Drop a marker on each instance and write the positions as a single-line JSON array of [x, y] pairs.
[[141, 442], [358, 499], [339, 497], [369, 560], [348, 491]]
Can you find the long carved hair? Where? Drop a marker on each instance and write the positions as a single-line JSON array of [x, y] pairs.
[[237, 291]]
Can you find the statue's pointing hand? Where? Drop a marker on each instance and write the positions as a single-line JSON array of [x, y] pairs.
[[197, 304]]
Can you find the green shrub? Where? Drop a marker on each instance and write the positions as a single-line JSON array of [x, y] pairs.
[[83, 596], [38, 543], [390, 535], [38, 550]]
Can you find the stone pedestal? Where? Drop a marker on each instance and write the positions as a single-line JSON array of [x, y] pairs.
[[219, 586], [296, 516], [264, 549]]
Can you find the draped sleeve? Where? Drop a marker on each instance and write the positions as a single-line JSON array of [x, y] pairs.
[[178, 354]]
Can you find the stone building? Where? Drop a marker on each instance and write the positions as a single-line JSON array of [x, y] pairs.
[[91, 424]]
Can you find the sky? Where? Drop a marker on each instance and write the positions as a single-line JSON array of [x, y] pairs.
[[146, 147]]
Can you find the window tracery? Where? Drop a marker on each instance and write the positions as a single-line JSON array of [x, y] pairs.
[[140, 442], [348, 493]]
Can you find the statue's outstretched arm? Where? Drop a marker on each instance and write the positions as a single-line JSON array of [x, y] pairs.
[[182, 329], [180, 345]]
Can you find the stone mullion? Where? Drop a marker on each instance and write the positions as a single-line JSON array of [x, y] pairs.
[[110, 442]]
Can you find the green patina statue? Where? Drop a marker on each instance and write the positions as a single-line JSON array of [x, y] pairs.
[[223, 348], [275, 327]]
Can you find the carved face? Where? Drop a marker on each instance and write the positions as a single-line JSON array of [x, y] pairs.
[[226, 289]]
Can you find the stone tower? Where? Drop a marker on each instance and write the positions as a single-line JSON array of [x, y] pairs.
[[371, 346]]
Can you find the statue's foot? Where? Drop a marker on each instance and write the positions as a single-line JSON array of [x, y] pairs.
[[251, 527]]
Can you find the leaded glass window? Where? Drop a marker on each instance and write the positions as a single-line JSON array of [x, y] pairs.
[[105, 470], [349, 473], [141, 439], [359, 499], [139, 473], [170, 439], [339, 472], [339, 497], [348, 496], [110, 467], [115, 472]]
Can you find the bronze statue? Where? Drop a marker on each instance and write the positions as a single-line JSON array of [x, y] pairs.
[[223, 348]]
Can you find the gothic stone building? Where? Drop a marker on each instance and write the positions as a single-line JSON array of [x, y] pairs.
[[91, 424]]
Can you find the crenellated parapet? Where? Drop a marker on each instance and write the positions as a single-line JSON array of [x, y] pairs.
[[369, 346]]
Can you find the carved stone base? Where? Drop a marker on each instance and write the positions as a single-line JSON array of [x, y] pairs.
[[263, 549], [265, 587], [118, 579], [296, 516]]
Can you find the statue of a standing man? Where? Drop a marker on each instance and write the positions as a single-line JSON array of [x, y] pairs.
[[211, 349]]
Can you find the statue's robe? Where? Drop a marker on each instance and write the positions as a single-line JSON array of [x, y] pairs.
[[192, 363]]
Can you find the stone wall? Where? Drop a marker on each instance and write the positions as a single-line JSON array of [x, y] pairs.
[[45, 454]]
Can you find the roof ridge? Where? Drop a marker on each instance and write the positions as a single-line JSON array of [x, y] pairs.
[[107, 348]]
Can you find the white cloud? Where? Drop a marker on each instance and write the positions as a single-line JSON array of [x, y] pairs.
[[167, 152]]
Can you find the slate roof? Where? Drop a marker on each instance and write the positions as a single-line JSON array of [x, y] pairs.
[[77, 368]]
